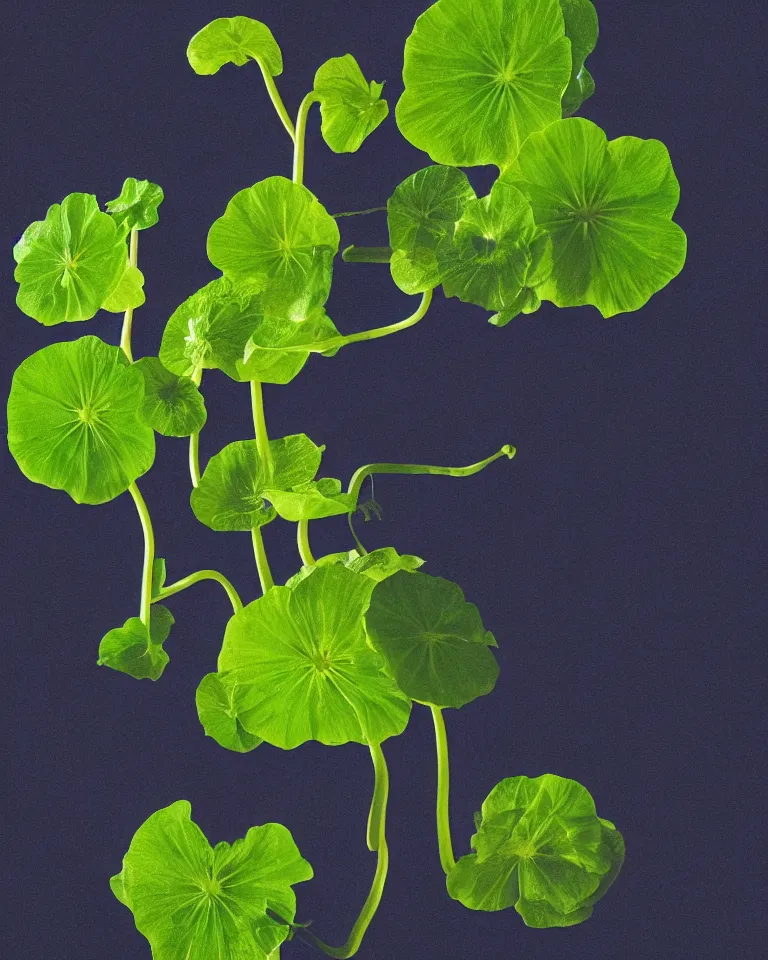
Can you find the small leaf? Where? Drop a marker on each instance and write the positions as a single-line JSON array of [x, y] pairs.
[[75, 420], [263, 358], [581, 29], [230, 495], [134, 650], [351, 107], [173, 405], [384, 562], [158, 576], [129, 291], [312, 500], [217, 707], [136, 207], [234, 40]]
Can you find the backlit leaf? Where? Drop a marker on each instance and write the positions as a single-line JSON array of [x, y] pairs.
[[217, 702], [264, 360], [129, 291], [173, 405], [311, 500], [581, 29], [136, 650], [378, 564], [234, 40], [136, 207], [351, 107]]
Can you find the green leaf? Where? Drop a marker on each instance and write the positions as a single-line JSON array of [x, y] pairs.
[[311, 500], [433, 641], [608, 207], [136, 650], [278, 236], [295, 459], [541, 847], [306, 671], [136, 207], [351, 107], [70, 264], [196, 903], [24, 243], [218, 700], [581, 29], [538, 269], [382, 563], [129, 291], [263, 358], [173, 405], [422, 213], [210, 329], [158, 576], [234, 40], [480, 76], [75, 420]]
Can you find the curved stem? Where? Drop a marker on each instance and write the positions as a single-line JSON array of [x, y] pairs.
[[193, 578], [445, 845], [125, 334], [355, 254], [358, 477], [359, 545], [359, 213], [149, 553], [276, 99], [301, 132], [302, 538], [262, 564], [355, 938]]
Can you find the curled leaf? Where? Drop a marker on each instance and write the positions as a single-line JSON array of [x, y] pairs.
[[351, 108], [136, 207], [136, 650], [234, 40]]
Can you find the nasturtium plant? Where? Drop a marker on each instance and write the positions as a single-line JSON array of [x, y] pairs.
[[342, 649]]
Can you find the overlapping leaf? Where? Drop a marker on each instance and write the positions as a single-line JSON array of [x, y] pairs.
[[75, 420], [581, 29], [263, 358], [137, 650], [351, 107], [378, 564], [218, 703], [173, 405], [136, 207], [129, 291], [311, 500], [234, 40]]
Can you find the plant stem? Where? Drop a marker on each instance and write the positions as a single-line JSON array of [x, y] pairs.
[[262, 564], [355, 254], [358, 477], [125, 334], [374, 833], [381, 790], [302, 537], [443, 786], [359, 213], [149, 553], [260, 425], [194, 440], [301, 132], [276, 99], [179, 585]]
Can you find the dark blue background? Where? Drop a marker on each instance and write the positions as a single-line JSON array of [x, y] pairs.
[[617, 558]]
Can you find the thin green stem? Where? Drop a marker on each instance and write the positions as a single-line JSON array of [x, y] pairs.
[[374, 833], [276, 99], [301, 132], [355, 938], [445, 845], [359, 545], [193, 578], [302, 538], [194, 440], [262, 564], [260, 424], [359, 213], [149, 553], [125, 334], [355, 254], [358, 477]]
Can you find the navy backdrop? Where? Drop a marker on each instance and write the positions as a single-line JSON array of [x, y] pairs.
[[617, 558]]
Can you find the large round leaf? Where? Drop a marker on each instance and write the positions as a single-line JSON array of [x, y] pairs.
[[75, 420], [541, 847], [351, 107], [433, 641], [71, 263], [608, 207], [196, 903], [278, 236], [480, 75], [304, 668], [234, 40]]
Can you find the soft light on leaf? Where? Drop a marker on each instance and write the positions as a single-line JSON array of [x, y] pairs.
[[311, 500], [351, 107], [217, 707], [264, 360], [136, 650], [23, 244], [136, 207], [234, 40], [129, 291], [581, 29], [230, 494], [173, 405]]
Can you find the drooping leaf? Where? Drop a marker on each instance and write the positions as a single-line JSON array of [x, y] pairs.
[[480, 76], [311, 500], [541, 847], [433, 641], [264, 360], [217, 701], [608, 207], [538, 270], [158, 576], [581, 29], [276, 235], [75, 420], [378, 564], [305, 670], [136, 650], [196, 903], [70, 264], [351, 107], [136, 207], [173, 405], [234, 40], [129, 291], [422, 213]]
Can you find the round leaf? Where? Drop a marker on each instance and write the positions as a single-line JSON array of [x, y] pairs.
[[217, 703], [351, 107], [136, 207], [305, 670], [581, 29], [234, 40], [433, 641], [75, 420], [608, 208], [71, 263], [230, 494], [136, 650], [173, 405], [480, 76]]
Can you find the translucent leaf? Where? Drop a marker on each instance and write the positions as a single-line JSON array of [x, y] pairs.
[[234, 40], [75, 420], [581, 29], [23, 244], [173, 405], [217, 703], [433, 641], [311, 500], [129, 291], [378, 564], [608, 208], [351, 107], [480, 76], [135, 650], [137, 205], [71, 263], [264, 360], [306, 671], [196, 903]]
